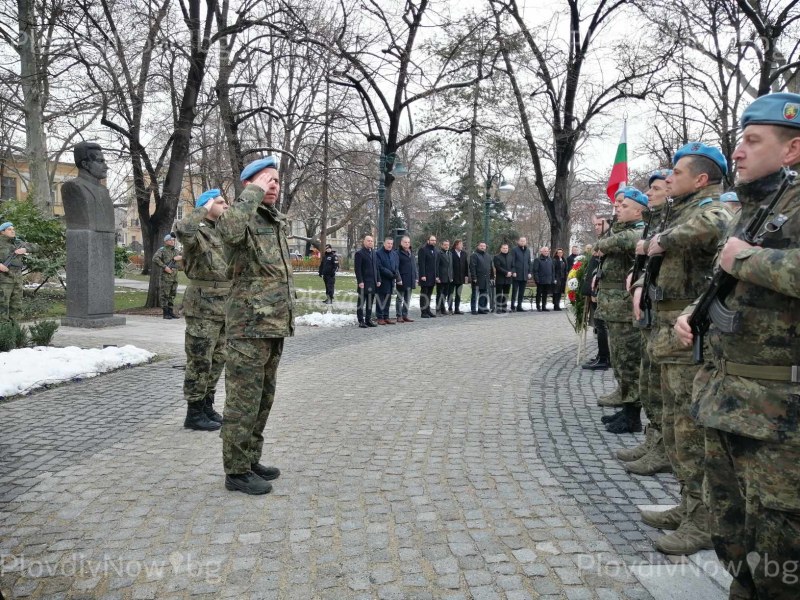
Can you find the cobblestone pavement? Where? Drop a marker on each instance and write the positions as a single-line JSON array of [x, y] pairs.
[[451, 458]]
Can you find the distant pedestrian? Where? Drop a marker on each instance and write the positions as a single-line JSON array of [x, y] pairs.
[[366, 270], [560, 271], [407, 268], [460, 262], [445, 284], [328, 266], [504, 275], [12, 255], [480, 273], [544, 276], [388, 265], [428, 267], [573, 254], [522, 273], [167, 261]]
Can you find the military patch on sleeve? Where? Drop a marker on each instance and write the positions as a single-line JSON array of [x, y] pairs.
[[265, 230]]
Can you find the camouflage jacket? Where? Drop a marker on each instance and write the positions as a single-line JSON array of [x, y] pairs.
[[162, 258], [696, 226], [260, 304], [613, 302], [767, 298], [7, 247], [203, 261]]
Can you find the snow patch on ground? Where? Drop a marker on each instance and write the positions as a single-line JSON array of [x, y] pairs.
[[318, 319], [26, 369]]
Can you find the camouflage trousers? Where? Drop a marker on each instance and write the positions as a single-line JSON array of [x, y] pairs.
[[205, 358], [251, 367], [167, 290], [626, 352], [684, 438], [11, 302], [650, 386], [751, 490]]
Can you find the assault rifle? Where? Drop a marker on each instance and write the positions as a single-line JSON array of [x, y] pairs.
[[17, 245], [710, 306], [638, 263], [651, 268]]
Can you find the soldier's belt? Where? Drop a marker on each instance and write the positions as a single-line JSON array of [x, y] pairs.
[[202, 283], [612, 282], [672, 304], [789, 374]]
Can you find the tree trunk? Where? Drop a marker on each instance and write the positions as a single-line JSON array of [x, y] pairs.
[[471, 183], [33, 106]]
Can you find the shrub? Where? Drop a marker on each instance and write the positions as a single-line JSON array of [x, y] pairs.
[[121, 258], [12, 335], [47, 232], [42, 332]]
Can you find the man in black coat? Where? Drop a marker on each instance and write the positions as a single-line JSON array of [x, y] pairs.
[[544, 276], [444, 287], [504, 271], [367, 279], [407, 268], [428, 268], [388, 272], [573, 254], [521, 275], [460, 275], [480, 274], [327, 270]]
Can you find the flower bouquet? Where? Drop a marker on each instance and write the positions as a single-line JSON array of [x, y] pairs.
[[577, 316]]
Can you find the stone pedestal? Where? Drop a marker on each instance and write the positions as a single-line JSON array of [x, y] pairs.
[[90, 280]]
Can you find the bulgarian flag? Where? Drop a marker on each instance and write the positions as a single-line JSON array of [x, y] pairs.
[[619, 172]]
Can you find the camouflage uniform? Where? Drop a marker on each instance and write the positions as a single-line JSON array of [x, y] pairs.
[[167, 282], [697, 223], [203, 304], [752, 438], [613, 306], [259, 315], [11, 282]]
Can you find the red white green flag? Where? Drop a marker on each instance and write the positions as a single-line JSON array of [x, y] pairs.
[[619, 172]]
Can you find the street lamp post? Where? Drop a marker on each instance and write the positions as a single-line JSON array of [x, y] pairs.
[[388, 166], [503, 189]]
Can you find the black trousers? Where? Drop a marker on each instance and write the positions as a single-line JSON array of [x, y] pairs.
[[444, 292], [479, 300], [330, 283], [384, 299], [517, 293], [425, 293], [365, 302], [601, 329], [542, 291], [501, 297], [457, 287]]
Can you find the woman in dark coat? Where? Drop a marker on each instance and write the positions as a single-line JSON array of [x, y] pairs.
[[560, 276], [504, 275]]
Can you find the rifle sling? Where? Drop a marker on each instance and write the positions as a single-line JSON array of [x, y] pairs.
[[788, 374]]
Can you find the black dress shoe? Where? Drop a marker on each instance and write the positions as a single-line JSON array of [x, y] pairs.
[[483, 312], [425, 316], [611, 418], [600, 365], [458, 312], [266, 473], [371, 324], [520, 309], [363, 325], [589, 362]]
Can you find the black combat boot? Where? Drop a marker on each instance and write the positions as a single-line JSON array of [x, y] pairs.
[[266, 473], [197, 420], [208, 409], [631, 421], [249, 483], [611, 418], [172, 314], [166, 313]]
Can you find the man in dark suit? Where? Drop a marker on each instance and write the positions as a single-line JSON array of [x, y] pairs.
[[428, 268], [521, 274], [460, 275], [481, 273], [367, 279], [444, 287]]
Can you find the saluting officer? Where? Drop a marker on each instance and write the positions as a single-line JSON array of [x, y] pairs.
[[204, 308], [748, 398]]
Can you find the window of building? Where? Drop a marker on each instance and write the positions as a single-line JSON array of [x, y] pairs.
[[179, 214], [8, 188]]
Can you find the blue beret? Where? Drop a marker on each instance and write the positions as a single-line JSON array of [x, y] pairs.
[[206, 196], [659, 174], [774, 109], [6, 225], [700, 149], [729, 197], [258, 165], [631, 193], [169, 237]]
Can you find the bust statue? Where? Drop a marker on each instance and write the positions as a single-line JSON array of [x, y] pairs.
[[87, 203]]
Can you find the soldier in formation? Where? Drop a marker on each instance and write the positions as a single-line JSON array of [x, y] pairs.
[[204, 308], [167, 261], [259, 314]]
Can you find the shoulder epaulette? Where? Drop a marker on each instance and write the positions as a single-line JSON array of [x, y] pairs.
[[706, 201]]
